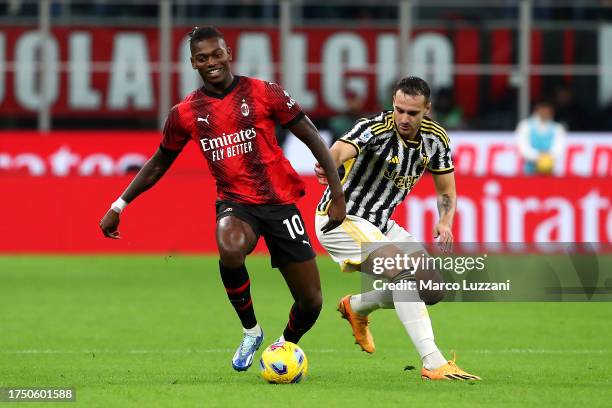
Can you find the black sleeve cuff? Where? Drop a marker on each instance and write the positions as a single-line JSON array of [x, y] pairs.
[[445, 171], [293, 121], [355, 145]]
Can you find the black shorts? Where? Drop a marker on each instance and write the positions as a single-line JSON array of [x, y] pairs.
[[282, 227]]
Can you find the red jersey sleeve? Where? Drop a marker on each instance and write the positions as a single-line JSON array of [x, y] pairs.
[[176, 135], [284, 108]]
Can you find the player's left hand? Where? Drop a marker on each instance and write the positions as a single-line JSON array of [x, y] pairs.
[[336, 214], [444, 234], [320, 173]]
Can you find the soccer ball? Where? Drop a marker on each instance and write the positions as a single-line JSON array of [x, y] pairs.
[[283, 362]]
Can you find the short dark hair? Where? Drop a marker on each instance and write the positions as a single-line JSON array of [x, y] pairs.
[[413, 86], [202, 33]]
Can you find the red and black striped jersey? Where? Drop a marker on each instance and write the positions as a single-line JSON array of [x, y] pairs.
[[236, 134]]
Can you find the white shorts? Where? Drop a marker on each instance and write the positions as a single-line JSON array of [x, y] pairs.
[[344, 243]]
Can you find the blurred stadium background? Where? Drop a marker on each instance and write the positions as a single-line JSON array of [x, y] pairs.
[[84, 90], [85, 87]]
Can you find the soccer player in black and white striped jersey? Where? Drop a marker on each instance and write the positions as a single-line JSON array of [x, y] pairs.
[[380, 160]]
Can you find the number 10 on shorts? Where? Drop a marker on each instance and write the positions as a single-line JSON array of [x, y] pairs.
[[294, 226]]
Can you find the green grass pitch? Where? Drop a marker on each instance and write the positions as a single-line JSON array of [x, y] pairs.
[[157, 331]]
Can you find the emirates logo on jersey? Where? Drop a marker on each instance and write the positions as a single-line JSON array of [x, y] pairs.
[[244, 108], [229, 145]]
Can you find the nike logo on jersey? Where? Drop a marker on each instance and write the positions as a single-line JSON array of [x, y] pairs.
[[228, 209], [305, 242], [204, 119]]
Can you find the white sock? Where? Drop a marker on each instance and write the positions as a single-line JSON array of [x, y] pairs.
[[412, 312], [366, 303], [253, 331]]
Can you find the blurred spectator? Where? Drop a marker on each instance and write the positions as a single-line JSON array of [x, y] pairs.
[[254, 9], [214, 9], [110, 8], [605, 12], [568, 110], [446, 112], [344, 121], [540, 140], [546, 10], [18, 7]]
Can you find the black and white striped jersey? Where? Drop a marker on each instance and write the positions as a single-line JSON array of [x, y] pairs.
[[387, 167]]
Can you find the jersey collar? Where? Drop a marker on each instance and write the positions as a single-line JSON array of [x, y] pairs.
[[225, 92]]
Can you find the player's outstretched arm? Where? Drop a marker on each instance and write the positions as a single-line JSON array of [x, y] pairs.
[[306, 131], [146, 178], [447, 203], [340, 152]]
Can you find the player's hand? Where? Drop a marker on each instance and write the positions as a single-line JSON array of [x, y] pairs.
[[444, 234], [109, 224], [336, 213], [320, 173]]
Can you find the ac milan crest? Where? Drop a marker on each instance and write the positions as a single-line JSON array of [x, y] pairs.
[[244, 108]]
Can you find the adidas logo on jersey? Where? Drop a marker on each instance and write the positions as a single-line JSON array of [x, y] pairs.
[[394, 160]]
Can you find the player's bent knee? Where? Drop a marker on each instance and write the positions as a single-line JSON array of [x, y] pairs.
[[429, 283], [235, 239], [432, 297], [232, 257]]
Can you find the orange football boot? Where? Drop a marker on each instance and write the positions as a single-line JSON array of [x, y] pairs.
[[449, 371], [358, 323]]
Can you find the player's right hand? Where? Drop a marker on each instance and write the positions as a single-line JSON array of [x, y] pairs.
[[336, 214], [320, 173], [109, 224]]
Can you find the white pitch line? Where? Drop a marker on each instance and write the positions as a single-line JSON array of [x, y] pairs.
[[205, 351], [539, 351]]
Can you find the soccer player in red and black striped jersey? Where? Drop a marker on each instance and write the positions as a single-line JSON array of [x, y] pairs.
[[232, 119]]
